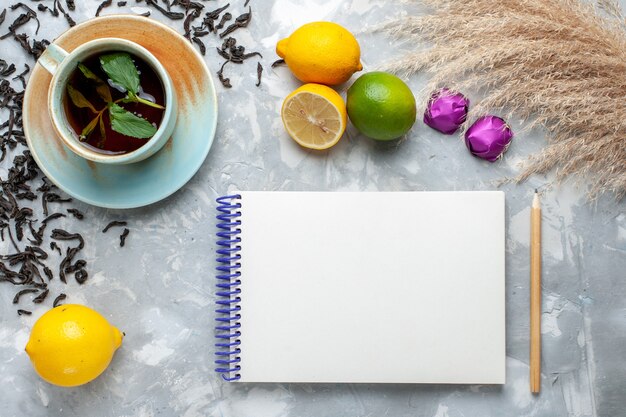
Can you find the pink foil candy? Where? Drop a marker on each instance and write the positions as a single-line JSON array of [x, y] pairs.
[[488, 138], [446, 111]]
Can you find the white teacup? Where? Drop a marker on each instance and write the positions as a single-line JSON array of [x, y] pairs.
[[62, 64]]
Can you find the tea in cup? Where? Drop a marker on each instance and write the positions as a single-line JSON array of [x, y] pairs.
[[110, 100]]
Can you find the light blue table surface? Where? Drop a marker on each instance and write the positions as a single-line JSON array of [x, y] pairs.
[[159, 288]]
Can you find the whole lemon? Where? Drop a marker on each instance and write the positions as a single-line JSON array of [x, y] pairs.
[[322, 53], [381, 106], [71, 345]]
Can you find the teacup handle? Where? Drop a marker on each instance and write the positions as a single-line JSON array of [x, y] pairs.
[[52, 57]]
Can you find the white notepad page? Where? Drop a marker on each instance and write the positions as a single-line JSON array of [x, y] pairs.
[[389, 287]]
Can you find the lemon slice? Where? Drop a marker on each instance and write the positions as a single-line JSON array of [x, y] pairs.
[[314, 115]]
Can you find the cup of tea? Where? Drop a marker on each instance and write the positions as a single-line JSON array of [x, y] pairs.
[[110, 100]]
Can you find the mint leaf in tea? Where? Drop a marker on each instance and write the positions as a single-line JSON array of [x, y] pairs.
[[122, 71], [126, 123], [114, 102]]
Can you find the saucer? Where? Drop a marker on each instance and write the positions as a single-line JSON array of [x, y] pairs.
[[141, 183]]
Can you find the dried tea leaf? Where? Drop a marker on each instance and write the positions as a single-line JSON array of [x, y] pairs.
[[16, 299], [41, 297], [114, 223], [259, 71], [57, 300], [123, 237], [105, 3]]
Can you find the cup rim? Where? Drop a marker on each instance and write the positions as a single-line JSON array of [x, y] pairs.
[[59, 118]]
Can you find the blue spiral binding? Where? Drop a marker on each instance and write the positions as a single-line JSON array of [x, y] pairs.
[[228, 295]]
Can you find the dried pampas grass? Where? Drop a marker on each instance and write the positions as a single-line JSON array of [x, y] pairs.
[[560, 64]]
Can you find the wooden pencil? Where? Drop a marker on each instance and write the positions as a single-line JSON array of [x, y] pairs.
[[535, 295]]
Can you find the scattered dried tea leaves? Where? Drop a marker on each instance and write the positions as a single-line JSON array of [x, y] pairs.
[[81, 276], [51, 217], [114, 223], [187, 23], [60, 234], [50, 198], [48, 273], [200, 44], [22, 19], [105, 3], [225, 18], [21, 76], [123, 237], [58, 8], [259, 71], [220, 75], [76, 213], [16, 299], [212, 23], [215, 14], [278, 63], [58, 300], [241, 21], [54, 246], [6, 69], [41, 297], [167, 13]]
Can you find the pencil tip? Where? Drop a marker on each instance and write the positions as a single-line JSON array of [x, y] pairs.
[[536, 191]]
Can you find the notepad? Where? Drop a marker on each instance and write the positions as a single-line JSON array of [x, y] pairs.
[[361, 287]]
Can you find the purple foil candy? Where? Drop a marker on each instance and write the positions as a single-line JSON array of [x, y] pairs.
[[446, 111], [488, 138]]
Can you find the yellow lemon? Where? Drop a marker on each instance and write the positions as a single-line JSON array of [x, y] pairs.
[[314, 116], [71, 345], [321, 52]]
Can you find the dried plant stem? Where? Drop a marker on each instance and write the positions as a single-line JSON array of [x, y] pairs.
[[560, 64]]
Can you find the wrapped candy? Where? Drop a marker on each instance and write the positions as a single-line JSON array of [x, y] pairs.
[[488, 138], [446, 111]]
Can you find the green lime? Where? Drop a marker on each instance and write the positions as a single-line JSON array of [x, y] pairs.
[[381, 106]]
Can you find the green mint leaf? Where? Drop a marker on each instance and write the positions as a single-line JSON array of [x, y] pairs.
[[90, 127], [79, 99], [126, 123], [121, 70], [101, 87]]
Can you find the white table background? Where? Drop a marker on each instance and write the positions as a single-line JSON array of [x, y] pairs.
[[159, 288]]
